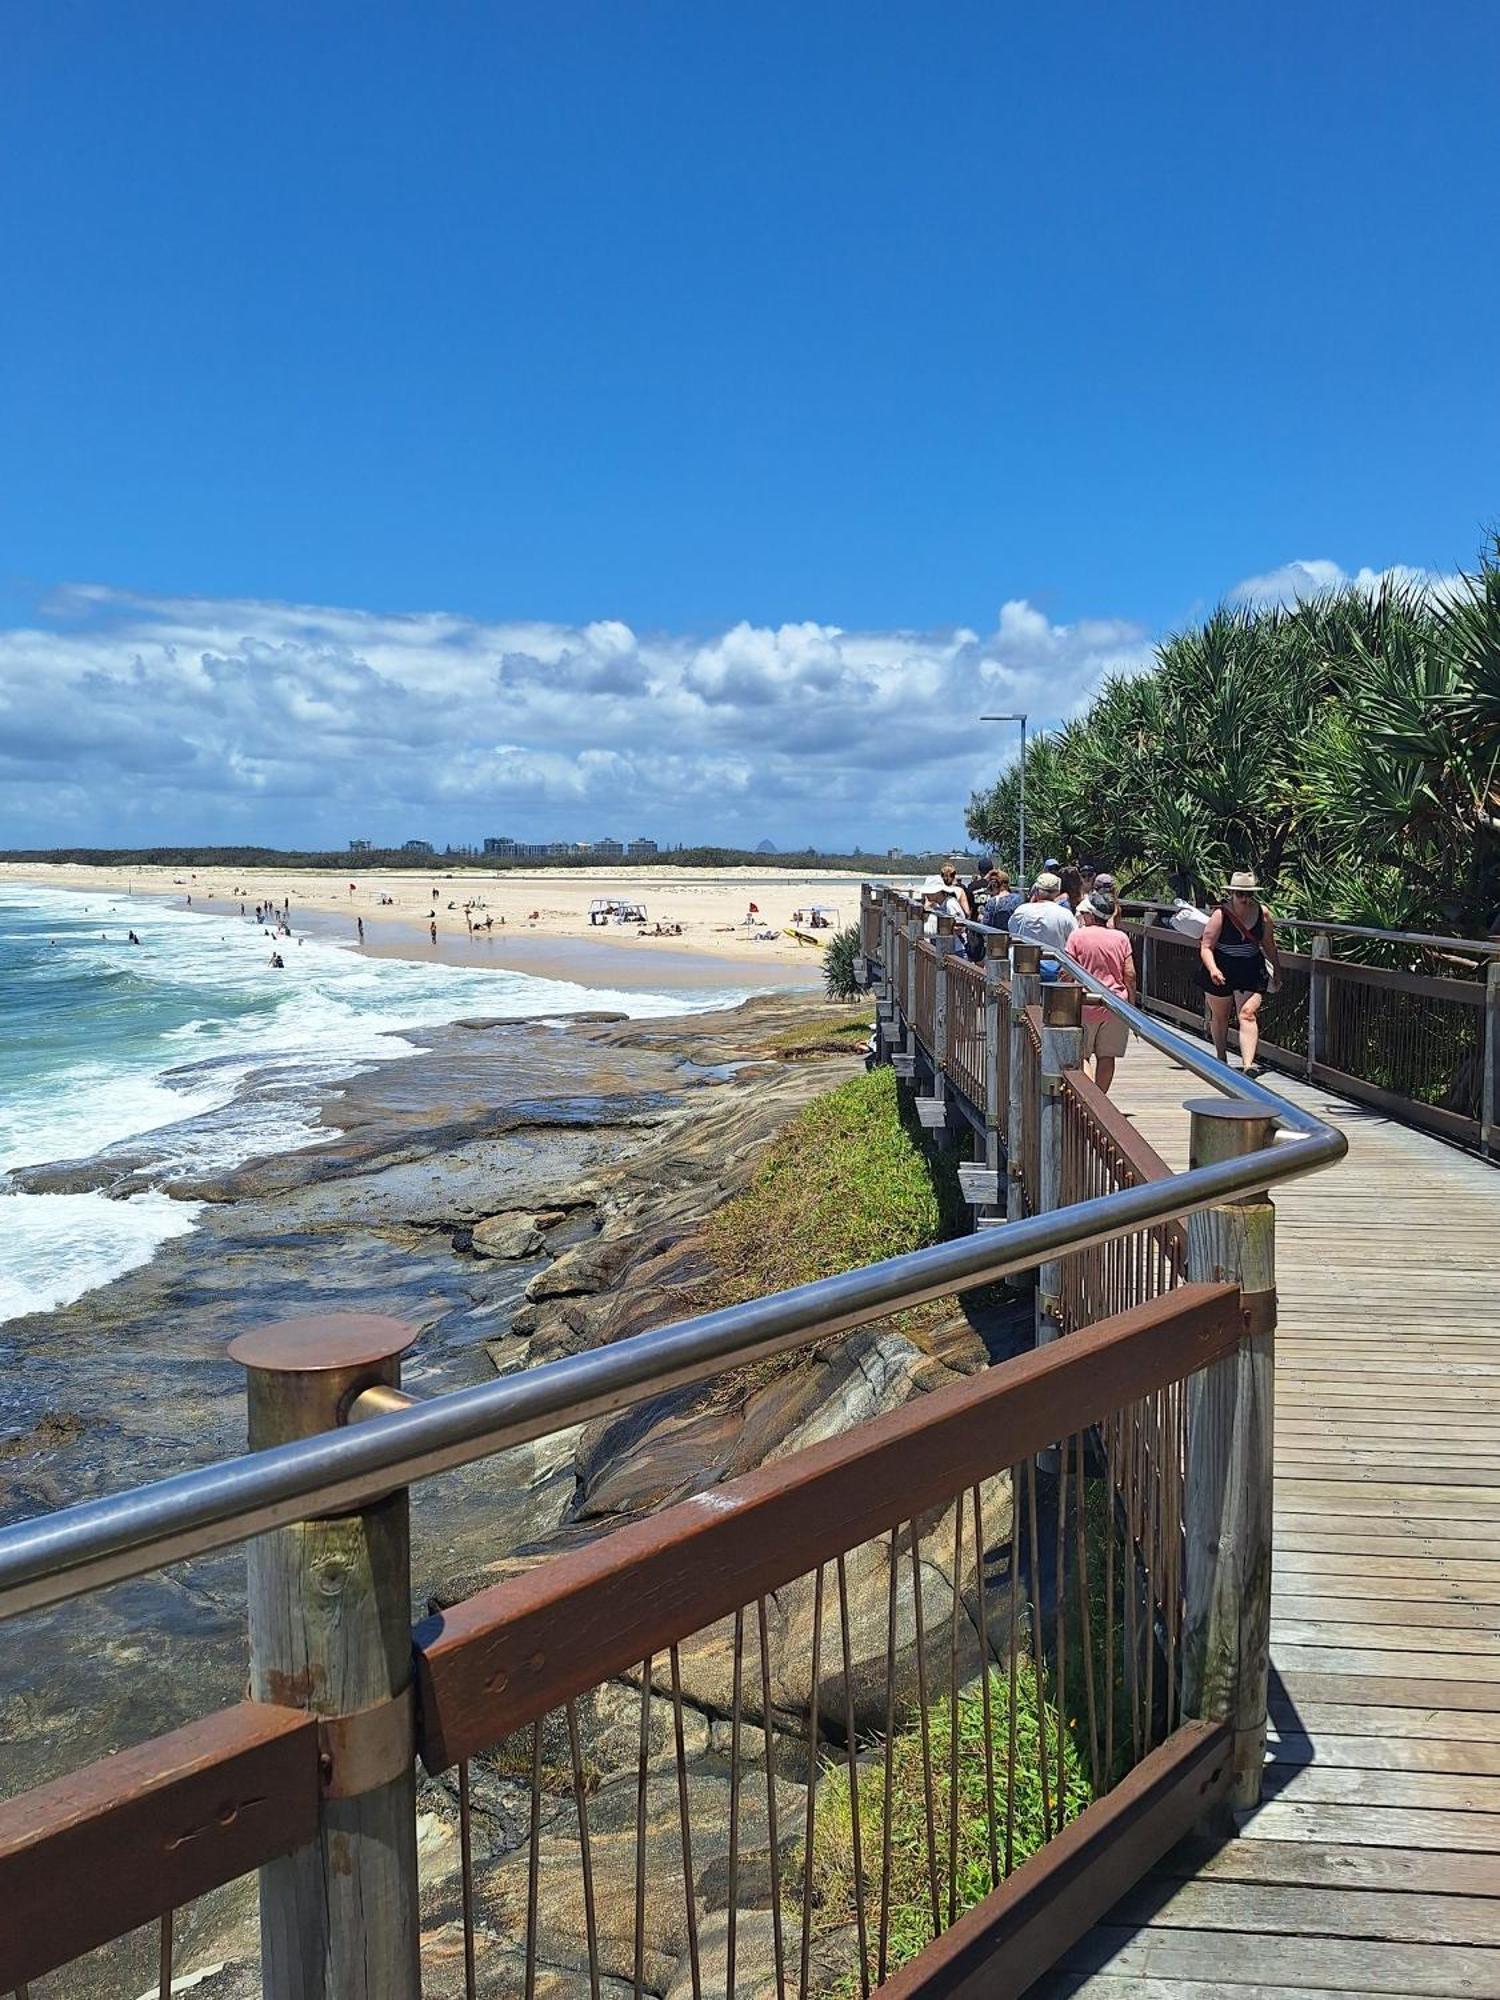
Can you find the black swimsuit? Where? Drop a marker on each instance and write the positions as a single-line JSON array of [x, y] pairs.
[[1239, 955]]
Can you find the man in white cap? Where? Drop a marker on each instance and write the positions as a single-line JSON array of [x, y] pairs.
[[1044, 921]]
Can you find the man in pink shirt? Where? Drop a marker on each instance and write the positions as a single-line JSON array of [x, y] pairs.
[[1105, 952]]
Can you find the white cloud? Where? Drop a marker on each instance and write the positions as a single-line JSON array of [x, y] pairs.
[[127, 720], [1293, 582], [130, 719]]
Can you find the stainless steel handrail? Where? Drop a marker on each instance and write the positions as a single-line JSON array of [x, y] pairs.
[[65, 1554]]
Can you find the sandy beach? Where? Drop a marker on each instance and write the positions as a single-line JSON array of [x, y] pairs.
[[534, 921]]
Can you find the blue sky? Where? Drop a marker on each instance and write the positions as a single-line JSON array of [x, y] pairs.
[[835, 327]]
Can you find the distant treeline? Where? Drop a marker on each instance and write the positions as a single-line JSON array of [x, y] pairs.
[[248, 858]]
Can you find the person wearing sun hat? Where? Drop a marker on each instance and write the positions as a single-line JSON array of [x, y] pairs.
[[1239, 965]]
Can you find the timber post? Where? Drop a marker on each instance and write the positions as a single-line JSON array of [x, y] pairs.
[[996, 966], [886, 1004], [1148, 961], [945, 943], [906, 1062], [1025, 989], [1230, 1456], [1062, 1049], [329, 1605], [1489, 1109], [1319, 972]]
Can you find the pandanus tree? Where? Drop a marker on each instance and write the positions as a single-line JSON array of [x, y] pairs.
[[1348, 749]]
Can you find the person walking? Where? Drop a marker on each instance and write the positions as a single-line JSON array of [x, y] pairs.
[[1001, 901], [957, 895], [1043, 921], [1105, 952], [1239, 965]]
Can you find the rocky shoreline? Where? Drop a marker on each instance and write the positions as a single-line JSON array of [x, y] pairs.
[[519, 1192]]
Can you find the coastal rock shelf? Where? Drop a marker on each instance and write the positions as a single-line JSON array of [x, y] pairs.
[[515, 1191]]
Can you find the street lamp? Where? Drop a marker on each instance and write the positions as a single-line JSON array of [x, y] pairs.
[[1021, 841]]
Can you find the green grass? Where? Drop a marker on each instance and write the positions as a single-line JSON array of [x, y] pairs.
[[846, 1183], [840, 1034], [911, 1896]]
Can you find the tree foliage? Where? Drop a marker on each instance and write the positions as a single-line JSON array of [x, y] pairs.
[[1348, 749]]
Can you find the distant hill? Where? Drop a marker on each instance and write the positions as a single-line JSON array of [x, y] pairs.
[[765, 847]]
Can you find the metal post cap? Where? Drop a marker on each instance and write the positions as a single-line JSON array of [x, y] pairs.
[[1224, 1129], [322, 1341], [305, 1373], [1026, 957], [1062, 1004]]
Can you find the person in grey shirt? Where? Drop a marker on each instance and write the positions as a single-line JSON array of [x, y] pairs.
[[1045, 922]]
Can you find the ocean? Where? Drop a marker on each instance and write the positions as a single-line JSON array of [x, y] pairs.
[[189, 1053]]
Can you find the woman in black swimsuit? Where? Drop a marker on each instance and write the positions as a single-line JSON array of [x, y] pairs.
[[1240, 964]]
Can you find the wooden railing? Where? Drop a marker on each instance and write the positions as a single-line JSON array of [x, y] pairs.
[[961, 1674], [1101, 1153], [963, 1053], [987, 1589], [1422, 1045]]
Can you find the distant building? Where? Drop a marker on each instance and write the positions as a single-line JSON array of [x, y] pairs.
[[559, 849], [361, 847], [642, 850], [502, 846], [609, 850], [417, 847], [765, 847]]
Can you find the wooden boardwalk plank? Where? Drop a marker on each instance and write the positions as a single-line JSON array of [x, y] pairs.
[[1360, 1965], [1373, 1864]]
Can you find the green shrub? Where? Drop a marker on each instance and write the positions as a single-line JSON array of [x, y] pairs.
[[845, 1184], [841, 964], [910, 1903]]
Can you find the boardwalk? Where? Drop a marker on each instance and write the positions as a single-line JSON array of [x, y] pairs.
[[1373, 1867]]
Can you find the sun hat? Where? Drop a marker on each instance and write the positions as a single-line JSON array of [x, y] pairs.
[[1104, 881], [1048, 883], [1102, 904], [934, 886], [1051, 864], [1243, 882]]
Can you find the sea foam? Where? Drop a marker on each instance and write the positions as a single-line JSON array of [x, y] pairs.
[[108, 1045]]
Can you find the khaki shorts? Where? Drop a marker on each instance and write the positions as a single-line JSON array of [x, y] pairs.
[[1109, 1037]]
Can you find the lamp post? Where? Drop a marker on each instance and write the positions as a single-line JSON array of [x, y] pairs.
[[1021, 840]]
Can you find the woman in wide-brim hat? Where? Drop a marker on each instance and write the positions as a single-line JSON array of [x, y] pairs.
[[1239, 965]]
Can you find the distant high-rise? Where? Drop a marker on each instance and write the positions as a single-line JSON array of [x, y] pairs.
[[642, 850], [417, 847], [361, 847]]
